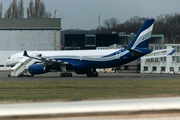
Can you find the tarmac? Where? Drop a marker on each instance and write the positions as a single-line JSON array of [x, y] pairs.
[[55, 76]]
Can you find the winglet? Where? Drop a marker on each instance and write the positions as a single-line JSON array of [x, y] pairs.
[[171, 53], [25, 54]]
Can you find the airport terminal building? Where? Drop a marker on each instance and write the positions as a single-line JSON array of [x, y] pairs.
[[167, 64], [28, 34]]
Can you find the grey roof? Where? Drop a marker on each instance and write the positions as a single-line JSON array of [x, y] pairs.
[[30, 24]]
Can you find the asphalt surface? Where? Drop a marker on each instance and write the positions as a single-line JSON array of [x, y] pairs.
[[55, 76]]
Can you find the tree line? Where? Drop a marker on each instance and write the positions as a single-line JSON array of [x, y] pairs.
[[168, 24], [35, 9]]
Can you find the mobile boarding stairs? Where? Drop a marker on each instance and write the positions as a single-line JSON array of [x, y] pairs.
[[21, 68]]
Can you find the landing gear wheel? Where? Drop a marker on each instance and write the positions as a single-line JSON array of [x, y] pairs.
[[69, 74], [32, 75], [9, 75], [66, 74], [92, 74], [88, 74], [62, 75], [96, 74]]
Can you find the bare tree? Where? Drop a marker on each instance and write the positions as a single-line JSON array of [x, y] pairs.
[[14, 10], [37, 10], [1, 9], [47, 15], [8, 13], [111, 23], [21, 9], [30, 10]]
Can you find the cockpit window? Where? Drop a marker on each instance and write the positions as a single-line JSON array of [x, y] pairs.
[[9, 57]]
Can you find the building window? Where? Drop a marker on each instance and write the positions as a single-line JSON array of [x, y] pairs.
[[148, 60], [162, 68], [1, 65], [90, 40], [175, 47], [164, 58], [156, 59], [154, 68], [156, 47], [126, 67], [178, 48], [152, 59], [145, 68], [160, 47], [161, 58], [171, 68], [178, 58], [174, 58], [178, 68]]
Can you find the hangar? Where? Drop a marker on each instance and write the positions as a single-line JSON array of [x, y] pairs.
[[28, 34]]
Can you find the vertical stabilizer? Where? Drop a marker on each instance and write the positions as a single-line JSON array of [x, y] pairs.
[[141, 40]]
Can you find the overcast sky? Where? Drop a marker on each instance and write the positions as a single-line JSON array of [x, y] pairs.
[[83, 14]]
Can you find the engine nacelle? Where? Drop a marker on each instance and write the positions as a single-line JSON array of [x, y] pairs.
[[38, 69], [84, 71]]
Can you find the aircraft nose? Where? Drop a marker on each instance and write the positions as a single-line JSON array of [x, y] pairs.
[[7, 62]]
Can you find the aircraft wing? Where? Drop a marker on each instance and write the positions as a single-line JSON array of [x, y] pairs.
[[44, 60], [134, 52]]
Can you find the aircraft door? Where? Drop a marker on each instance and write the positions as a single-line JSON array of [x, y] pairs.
[[81, 57], [118, 54]]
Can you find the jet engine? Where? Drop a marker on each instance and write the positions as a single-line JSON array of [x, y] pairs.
[[38, 69]]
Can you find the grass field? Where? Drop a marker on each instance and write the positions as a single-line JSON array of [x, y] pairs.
[[75, 90]]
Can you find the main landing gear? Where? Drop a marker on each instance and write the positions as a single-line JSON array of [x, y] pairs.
[[92, 74], [65, 74]]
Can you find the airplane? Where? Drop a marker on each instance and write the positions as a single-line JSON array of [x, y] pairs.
[[87, 61]]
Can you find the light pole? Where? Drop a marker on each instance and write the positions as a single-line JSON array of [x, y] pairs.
[[55, 13], [175, 38]]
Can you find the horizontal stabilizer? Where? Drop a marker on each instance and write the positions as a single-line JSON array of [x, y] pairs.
[[134, 52], [157, 56], [171, 53], [162, 50]]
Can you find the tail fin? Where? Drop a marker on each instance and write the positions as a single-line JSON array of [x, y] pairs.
[[141, 40], [25, 54]]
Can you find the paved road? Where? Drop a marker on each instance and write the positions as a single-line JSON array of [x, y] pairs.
[[102, 76]]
